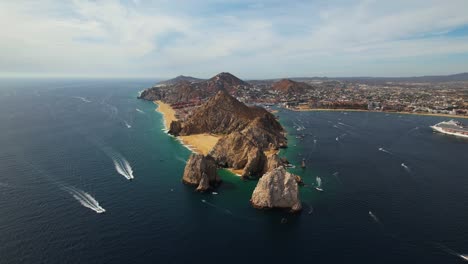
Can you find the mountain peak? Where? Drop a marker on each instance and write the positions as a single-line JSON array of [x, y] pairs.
[[289, 86]]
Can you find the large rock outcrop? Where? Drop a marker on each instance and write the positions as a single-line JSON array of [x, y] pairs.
[[237, 152], [186, 89], [175, 127], [221, 114], [201, 171], [273, 162], [277, 189]]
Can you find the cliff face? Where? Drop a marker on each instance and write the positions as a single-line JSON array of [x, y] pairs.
[[223, 114], [277, 189], [249, 131], [201, 171], [185, 89], [234, 151]]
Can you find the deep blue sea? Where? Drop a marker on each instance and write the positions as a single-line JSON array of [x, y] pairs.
[[394, 191]]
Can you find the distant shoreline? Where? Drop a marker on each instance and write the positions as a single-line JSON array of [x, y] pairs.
[[370, 111]]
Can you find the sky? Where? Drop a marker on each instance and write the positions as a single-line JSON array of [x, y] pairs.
[[251, 39]]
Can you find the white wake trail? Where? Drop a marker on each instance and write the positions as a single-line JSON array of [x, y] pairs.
[[406, 167], [85, 199], [127, 124], [122, 166], [140, 111], [374, 217], [452, 252], [384, 150], [82, 99]]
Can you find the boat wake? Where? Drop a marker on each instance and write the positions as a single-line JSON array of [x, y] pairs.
[[451, 251], [140, 111], [122, 166], [406, 167], [223, 210], [82, 99], [340, 137], [319, 184], [343, 124], [384, 150], [85, 199], [127, 124], [374, 217]]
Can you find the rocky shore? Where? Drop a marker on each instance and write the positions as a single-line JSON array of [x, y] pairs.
[[248, 139]]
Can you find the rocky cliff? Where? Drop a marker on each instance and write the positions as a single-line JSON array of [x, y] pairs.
[[201, 172], [185, 89], [224, 114], [237, 152], [249, 131], [277, 189]]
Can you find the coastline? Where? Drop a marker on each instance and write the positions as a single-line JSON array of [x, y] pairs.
[[370, 111], [199, 143]]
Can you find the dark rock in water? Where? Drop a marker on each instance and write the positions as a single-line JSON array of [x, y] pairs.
[[204, 184], [175, 127], [201, 171], [277, 189], [150, 95]]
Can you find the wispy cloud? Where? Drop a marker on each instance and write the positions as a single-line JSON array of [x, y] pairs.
[[250, 38]]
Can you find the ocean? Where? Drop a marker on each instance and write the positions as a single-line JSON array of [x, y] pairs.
[[87, 175]]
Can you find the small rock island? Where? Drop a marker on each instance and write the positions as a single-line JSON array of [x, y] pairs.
[[248, 140]]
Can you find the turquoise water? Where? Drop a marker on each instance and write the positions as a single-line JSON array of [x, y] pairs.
[[53, 139]]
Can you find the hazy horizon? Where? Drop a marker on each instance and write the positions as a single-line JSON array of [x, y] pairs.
[[250, 39]]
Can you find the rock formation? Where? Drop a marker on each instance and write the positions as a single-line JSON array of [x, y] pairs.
[[185, 89], [237, 152], [201, 171], [272, 163], [277, 189], [175, 127]]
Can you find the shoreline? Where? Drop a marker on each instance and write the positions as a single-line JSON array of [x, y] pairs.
[[198, 143], [371, 111]]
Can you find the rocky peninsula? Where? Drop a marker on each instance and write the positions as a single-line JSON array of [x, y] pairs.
[[246, 140]]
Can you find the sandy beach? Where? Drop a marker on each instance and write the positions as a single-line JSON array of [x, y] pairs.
[[167, 112], [199, 143]]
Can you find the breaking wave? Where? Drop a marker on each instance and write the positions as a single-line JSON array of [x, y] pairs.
[[85, 199]]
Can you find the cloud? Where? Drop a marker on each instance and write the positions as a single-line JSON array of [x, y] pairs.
[[251, 38]]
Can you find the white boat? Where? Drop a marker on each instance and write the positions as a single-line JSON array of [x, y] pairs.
[[451, 127]]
